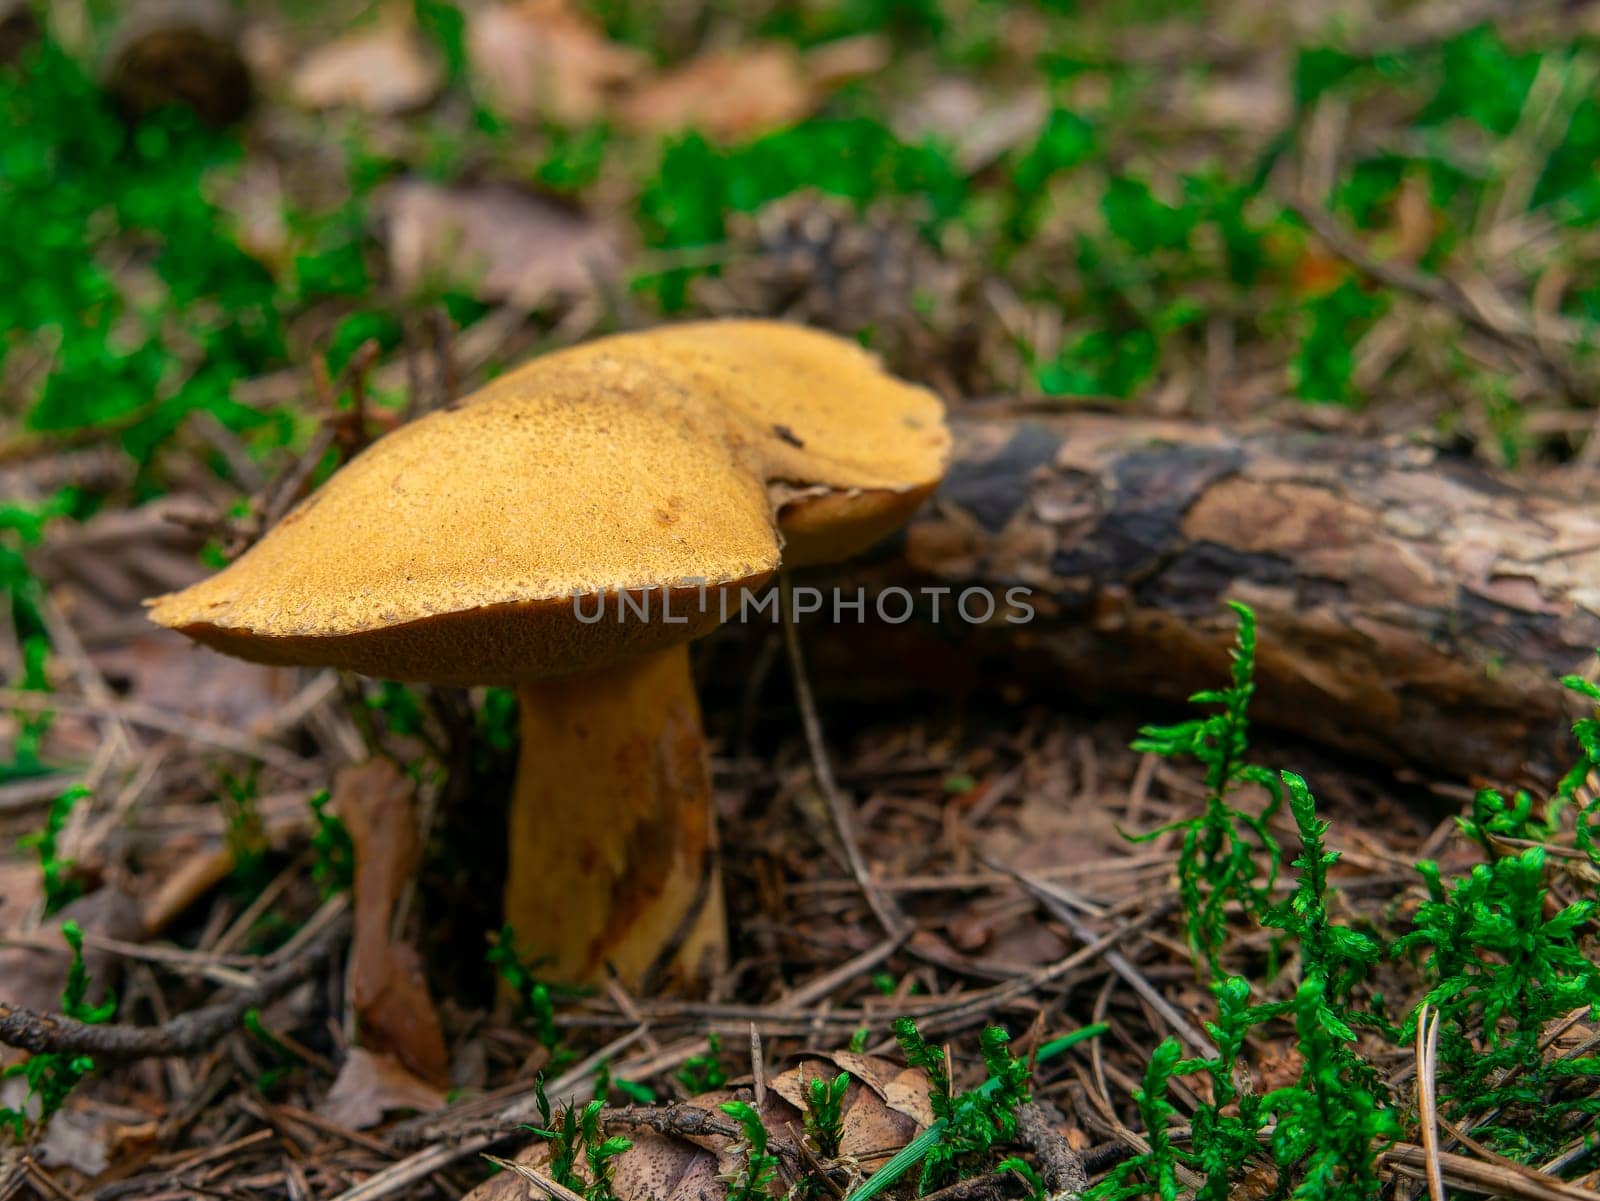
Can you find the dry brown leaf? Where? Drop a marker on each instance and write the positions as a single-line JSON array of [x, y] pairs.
[[101, 570], [1024, 944], [539, 58], [872, 1128], [393, 1008], [726, 94], [371, 1084], [1279, 1067], [884, 1108], [384, 69], [499, 242], [904, 1089], [657, 1168], [661, 1167], [880, 1116]]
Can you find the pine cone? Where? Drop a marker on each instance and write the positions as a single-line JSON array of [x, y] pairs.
[[19, 29], [183, 52], [814, 259]]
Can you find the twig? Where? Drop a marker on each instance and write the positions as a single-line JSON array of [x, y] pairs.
[[1063, 1171], [1494, 1179], [536, 1178], [70, 647], [1055, 899], [29, 794], [624, 1002], [42, 1180], [1539, 1176], [679, 1121], [219, 969], [96, 469], [884, 907], [758, 1066], [1427, 1098], [286, 491], [183, 1035], [1122, 867], [346, 430], [931, 1014]]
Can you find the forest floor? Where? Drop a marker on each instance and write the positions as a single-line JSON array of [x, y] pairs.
[[1375, 218]]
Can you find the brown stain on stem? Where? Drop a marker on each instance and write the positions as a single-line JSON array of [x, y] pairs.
[[612, 856]]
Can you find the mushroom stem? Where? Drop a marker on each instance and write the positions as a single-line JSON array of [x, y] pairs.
[[613, 855]]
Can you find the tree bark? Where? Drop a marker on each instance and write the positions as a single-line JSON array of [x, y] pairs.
[[1414, 608]]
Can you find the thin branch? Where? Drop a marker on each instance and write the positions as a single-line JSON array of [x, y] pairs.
[[1427, 1097], [538, 1179], [674, 1121], [183, 1035], [1475, 1176], [1056, 900], [1059, 1165], [884, 907]]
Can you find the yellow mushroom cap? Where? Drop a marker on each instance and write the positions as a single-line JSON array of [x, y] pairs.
[[671, 465], [847, 451]]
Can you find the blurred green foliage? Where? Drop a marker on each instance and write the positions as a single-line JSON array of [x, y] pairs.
[[102, 203], [21, 528], [1085, 215], [132, 281], [1090, 216], [60, 885]]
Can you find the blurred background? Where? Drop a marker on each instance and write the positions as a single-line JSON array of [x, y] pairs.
[[1369, 214]]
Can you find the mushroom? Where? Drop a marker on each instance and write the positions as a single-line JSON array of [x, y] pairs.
[[568, 530]]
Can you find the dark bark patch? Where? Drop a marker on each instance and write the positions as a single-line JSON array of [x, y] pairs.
[[1152, 490], [994, 489], [1196, 579]]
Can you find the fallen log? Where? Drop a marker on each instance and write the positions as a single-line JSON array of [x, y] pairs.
[[1414, 608]]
